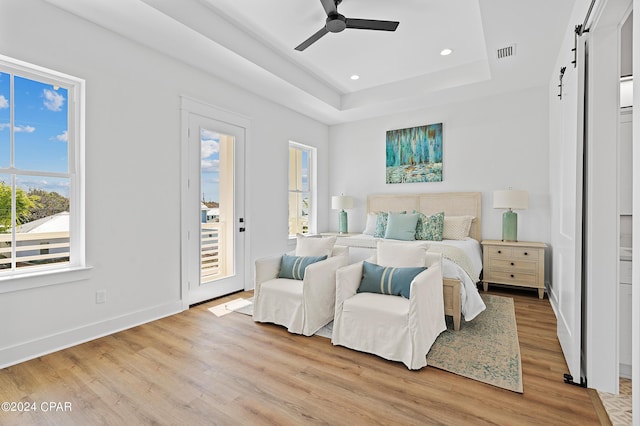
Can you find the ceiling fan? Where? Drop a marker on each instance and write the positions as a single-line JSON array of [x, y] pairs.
[[337, 23]]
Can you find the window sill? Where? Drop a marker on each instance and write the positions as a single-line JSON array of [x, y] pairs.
[[32, 280]]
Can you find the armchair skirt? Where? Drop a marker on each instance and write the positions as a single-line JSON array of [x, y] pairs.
[[303, 306], [391, 327]]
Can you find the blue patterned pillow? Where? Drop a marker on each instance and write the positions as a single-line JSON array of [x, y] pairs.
[[387, 279], [293, 267], [381, 224], [430, 227]]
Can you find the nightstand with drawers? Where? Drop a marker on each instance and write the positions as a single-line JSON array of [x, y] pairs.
[[516, 263]]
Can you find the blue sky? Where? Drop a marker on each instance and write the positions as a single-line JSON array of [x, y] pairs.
[[40, 131], [305, 170], [210, 165]]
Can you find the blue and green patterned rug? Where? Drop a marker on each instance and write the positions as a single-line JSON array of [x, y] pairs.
[[485, 349]]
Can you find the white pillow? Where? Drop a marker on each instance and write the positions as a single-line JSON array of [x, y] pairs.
[[401, 255], [456, 227], [309, 246], [370, 227]]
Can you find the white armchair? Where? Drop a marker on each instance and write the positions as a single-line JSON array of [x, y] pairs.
[[391, 327], [303, 306]]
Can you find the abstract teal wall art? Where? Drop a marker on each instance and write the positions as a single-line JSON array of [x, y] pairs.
[[415, 154]]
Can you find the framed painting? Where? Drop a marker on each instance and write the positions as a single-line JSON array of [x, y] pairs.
[[415, 154]]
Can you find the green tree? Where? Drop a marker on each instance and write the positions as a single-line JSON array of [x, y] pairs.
[[46, 204], [23, 207]]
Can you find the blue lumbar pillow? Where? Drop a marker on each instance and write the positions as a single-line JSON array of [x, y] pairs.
[[293, 267], [387, 279]]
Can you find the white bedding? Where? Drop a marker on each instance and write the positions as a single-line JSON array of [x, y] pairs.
[[362, 247]]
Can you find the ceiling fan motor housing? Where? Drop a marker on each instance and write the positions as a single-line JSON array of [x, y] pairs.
[[336, 23]]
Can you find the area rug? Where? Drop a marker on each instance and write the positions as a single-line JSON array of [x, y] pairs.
[[485, 349]]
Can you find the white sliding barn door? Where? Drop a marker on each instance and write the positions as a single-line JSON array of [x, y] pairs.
[[567, 253]]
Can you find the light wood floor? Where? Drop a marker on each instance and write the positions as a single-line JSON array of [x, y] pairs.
[[195, 368]]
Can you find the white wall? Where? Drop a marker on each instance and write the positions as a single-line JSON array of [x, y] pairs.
[[490, 143], [133, 177]]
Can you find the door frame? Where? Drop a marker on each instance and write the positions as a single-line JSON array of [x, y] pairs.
[[602, 232], [190, 106]]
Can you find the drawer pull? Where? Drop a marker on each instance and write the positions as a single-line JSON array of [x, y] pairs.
[[499, 251], [512, 264], [526, 254], [512, 276]]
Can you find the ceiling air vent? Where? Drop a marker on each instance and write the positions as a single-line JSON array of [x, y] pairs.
[[506, 52]]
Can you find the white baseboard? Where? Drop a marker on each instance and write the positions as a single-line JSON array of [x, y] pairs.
[[29, 350], [553, 299], [625, 371]]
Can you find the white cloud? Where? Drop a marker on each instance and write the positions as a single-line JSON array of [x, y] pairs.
[[63, 137], [53, 101], [209, 135], [18, 129], [25, 129], [209, 165], [4, 103], [208, 148], [61, 186]]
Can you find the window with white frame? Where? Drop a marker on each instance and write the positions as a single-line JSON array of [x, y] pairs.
[[301, 189], [40, 169]]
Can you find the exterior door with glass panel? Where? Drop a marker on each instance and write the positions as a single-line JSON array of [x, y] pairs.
[[215, 252]]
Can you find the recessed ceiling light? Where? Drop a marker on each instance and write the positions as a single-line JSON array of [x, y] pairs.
[[446, 52], [355, 77]]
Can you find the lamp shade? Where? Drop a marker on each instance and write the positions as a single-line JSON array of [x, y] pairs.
[[511, 199], [341, 202]]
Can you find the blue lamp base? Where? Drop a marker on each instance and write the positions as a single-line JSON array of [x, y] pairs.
[[342, 222], [509, 226]]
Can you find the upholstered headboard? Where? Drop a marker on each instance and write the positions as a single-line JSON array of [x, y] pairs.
[[451, 203]]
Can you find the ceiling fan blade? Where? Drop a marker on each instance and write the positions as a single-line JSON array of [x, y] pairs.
[[329, 7], [308, 42], [372, 24]]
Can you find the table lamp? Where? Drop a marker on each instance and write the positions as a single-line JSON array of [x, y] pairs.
[[510, 199], [342, 202]]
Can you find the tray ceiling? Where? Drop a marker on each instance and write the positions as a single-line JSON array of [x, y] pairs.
[[251, 43]]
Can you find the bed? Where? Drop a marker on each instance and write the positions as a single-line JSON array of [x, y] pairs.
[[461, 296]]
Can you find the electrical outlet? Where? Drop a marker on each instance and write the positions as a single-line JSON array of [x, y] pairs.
[[101, 296]]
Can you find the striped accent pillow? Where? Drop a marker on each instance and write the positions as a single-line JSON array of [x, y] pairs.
[[293, 267], [387, 279]]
